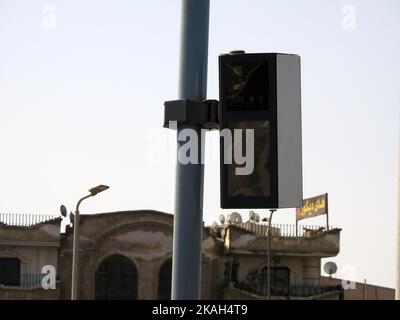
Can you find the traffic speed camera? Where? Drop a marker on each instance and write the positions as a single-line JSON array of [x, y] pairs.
[[260, 123]]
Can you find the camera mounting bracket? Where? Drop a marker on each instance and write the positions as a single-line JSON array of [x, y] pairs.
[[187, 112]]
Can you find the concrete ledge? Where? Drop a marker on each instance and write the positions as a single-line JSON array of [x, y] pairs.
[[21, 293], [240, 241]]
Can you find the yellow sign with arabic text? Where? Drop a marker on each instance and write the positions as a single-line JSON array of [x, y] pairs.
[[313, 207]]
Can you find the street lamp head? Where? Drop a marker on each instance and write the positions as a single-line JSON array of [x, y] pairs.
[[98, 189]]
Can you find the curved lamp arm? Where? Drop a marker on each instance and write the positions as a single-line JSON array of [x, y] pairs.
[[80, 201]]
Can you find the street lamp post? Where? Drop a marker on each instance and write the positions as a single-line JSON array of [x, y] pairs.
[[75, 254], [269, 253]]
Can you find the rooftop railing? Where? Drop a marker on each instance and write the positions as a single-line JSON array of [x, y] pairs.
[[283, 230], [25, 220]]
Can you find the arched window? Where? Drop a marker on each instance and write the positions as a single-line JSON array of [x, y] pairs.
[[116, 279], [10, 271], [164, 281]]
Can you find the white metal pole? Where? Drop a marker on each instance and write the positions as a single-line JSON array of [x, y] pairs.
[[398, 221], [75, 252], [269, 255]]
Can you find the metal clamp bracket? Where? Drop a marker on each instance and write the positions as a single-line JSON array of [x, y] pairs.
[[204, 114]]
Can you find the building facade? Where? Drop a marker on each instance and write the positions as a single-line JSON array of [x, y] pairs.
[[24, 251], [361, 291], [128, 255]]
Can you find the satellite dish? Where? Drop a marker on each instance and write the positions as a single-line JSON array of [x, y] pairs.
[[63, 210], [235, 217], [257, 218], [252, 215], [222, 219], [330, 268]]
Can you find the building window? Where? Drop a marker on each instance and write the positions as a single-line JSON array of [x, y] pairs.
[[116, 279], [280, 280], [164, 281], [10, 271]]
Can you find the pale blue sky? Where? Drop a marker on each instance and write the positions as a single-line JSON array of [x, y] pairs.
[[80, 104]]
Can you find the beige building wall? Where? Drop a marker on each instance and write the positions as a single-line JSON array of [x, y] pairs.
[[145, 238], [302, 270], [35, 246], [32, 258], [312, 271]]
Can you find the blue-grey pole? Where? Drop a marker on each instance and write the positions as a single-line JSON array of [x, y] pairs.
[[188, 217]]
